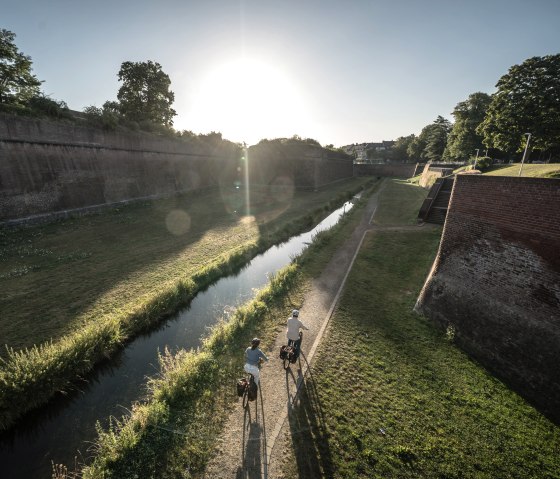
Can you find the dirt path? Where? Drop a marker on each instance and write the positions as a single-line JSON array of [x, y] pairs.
[[254, 443]]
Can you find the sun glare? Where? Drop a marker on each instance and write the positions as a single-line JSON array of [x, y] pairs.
[[248, 100]]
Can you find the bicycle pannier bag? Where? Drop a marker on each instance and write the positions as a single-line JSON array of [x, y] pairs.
[[241, 384], [284, 350]]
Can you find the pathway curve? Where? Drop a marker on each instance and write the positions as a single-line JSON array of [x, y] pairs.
[[249, 450]]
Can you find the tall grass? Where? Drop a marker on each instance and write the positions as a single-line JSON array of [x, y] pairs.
[[30, 377]]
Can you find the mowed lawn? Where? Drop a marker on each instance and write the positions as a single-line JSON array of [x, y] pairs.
[[391, 396], [56, 278], [551, 170]]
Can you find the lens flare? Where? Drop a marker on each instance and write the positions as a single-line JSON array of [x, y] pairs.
[[178, 222]]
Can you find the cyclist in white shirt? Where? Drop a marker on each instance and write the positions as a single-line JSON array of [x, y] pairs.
[[292, 331]]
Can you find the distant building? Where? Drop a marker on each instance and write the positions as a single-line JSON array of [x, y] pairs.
[[360, 151]]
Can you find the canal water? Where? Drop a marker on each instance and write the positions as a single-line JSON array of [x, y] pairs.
[[63, 431]]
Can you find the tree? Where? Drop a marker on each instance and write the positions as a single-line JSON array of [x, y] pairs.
[[430, 144], [527, 100], [17, 83], [463, 139], [145, 94], [416, 147], [108, 116], [399, 151], [436, 139]]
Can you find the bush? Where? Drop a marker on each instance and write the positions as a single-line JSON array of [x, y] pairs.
[[484, 163], [43, 105]]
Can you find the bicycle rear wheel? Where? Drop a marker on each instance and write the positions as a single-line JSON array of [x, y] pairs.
[[246, 397], [286, 363]]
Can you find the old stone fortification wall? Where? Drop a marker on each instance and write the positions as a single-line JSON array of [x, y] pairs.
[[496, 280], [48, 166], [431, 173], [396, 170], [300, 165]]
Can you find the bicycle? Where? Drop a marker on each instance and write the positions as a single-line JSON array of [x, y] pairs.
[[248, 388], [250, 385], [292, 352]]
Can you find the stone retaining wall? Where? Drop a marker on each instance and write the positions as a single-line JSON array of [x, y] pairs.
[[496, 280], [396, 170]]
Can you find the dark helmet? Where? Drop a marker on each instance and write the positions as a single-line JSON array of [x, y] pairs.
[[255, 341], [295, 313]]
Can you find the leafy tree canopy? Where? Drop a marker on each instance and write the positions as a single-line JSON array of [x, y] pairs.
[[463, 139], [17, 84], [145, 94], [399, 151], [416, 147], [436, 139], [527, 101], [431, 142]]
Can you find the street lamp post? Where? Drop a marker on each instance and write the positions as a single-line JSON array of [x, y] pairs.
[[525, 152], [476, 158]]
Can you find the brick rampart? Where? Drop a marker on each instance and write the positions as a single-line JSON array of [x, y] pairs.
[[496, 280], [431, 173], [47, 167], [50, 167], [396, 170], [300, 165]]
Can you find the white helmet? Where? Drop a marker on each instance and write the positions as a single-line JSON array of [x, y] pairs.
[[295, 313]]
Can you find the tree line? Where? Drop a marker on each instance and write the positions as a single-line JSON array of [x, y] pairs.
[[527, 100], [144, 100]]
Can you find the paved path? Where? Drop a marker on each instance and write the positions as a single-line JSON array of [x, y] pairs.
[[253, 443]]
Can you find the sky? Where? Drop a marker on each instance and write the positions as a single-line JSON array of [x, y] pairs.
[[341, 72]]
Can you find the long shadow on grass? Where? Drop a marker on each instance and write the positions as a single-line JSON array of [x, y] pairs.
[[253, 443], [89, 256], [309, 432], [93, 254]]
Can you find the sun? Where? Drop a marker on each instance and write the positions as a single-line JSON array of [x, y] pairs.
[[247, 100]]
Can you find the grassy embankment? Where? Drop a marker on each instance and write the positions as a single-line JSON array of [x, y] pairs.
[[551, 170], [391, 396], [529, 170], [92, 283], [173, 433]]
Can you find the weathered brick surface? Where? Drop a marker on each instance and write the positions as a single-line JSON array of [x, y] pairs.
[[48, 167], [496, 280], [397, 170], [303, 166]]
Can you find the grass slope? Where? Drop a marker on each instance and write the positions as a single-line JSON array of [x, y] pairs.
[[399, 203], [391, 396], [531, 170], [57, 278]]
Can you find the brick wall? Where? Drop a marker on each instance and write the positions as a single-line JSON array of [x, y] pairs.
[[397, 170], [303, 166], [431, 173], [48, 167], [496, 280]]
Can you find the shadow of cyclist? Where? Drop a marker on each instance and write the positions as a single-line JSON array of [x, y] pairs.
[[308, 429], [253, 445]]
